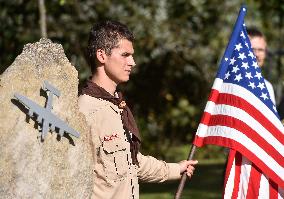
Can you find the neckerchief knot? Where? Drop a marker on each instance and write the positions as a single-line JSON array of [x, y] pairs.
[[122, 104]]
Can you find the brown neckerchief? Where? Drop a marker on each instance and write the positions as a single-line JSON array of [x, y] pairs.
[[128, 121]]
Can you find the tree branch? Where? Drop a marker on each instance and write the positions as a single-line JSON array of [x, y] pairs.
[[42, 21]]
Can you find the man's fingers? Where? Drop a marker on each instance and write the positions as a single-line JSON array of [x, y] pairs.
[[190, 169], [187, 166], [189, 173], [192, 162]]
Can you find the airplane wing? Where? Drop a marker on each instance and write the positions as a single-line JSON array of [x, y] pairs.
[[33, 107], [46, 117], [62, 126]]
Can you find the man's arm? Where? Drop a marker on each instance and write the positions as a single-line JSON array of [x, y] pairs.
[[153, 170]]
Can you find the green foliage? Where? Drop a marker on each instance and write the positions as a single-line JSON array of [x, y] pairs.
[[177, 49], [206, 183], [206, 154]]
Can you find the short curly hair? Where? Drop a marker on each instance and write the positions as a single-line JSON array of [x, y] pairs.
[[105, 35]]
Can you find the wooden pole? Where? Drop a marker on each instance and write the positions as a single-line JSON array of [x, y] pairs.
[[184, 176]]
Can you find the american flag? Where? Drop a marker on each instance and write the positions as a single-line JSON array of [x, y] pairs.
[[241, 116]]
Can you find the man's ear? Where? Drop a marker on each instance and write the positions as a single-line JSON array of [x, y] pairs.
[[101, 55]]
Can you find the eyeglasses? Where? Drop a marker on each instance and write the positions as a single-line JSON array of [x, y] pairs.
[[260, 50]]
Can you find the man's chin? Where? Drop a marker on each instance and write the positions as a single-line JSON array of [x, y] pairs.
[[123, 80]]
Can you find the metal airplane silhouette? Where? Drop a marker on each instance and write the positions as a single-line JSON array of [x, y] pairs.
[[44, 115]]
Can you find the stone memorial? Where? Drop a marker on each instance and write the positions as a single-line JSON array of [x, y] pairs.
[[45, 152]]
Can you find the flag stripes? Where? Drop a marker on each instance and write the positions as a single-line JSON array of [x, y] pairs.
[[245, 180], [228, 116]]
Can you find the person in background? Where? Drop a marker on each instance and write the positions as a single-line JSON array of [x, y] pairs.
[[259, 46], [118, 163]]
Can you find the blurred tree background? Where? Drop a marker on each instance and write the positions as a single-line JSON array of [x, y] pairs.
[[178, 47]]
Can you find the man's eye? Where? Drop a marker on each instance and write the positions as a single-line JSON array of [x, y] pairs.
[[258, 49]]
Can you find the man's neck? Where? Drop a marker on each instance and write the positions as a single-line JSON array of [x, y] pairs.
[[106, 84]]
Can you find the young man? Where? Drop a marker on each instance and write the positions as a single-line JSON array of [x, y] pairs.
[[118, 164], [259, 46]]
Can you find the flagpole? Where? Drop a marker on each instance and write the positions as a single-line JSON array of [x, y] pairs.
[[184, 176]]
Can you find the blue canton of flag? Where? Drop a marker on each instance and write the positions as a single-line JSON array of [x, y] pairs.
[[243, 70]]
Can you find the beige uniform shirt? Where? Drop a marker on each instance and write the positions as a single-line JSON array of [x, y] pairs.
[[115, 177]]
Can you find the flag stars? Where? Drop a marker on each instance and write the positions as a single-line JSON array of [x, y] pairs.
[[238, 47], [264, 96], [248, 75], [242, 56], [246, 44], [251, 84], [251, 54], [243, 35], [258, 75], [261, 85], [245, 65], [238, 77], [254, 64], [227, 75], [232, 61], [274, 108], [235, 69]]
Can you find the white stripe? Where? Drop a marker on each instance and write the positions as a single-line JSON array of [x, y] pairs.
[[229, 187], [222, 131], [258, 104], [202, 130], [254, 124], [263, 187], [217, 84], [244, 178], [209, 107]]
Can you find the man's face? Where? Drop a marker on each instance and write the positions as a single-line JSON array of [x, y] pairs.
[[258, 45], [118, 65]]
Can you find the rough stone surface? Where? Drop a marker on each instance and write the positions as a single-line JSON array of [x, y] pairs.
[[54, 168]]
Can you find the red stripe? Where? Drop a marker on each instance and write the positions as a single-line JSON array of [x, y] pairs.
[[213, 95], [199, 141], [221, 141], [273, 190], [238, 163], [230, 161], [229, 167], [205, 118], [254, 182], [224, 120], [241, 103]]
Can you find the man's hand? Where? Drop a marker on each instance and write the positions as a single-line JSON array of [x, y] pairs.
[[187, 166]]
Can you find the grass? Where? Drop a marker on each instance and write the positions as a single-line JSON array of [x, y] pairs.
[[206, 183]]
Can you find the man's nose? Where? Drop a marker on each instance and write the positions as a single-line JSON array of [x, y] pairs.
[[131, 61]]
